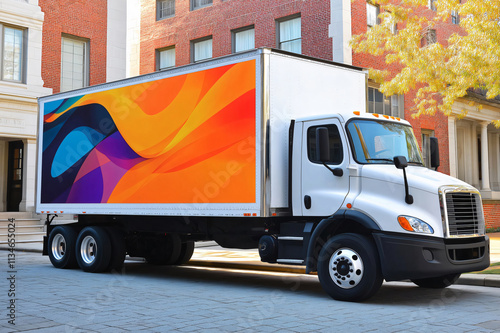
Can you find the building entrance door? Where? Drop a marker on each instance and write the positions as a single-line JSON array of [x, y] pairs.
[[15, 176]]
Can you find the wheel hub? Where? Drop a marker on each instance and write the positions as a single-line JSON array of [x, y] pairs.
[[88, 249], [58, 247], [346, 268]]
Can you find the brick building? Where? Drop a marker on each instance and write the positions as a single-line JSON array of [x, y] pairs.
[[178, 32], [83, 43]]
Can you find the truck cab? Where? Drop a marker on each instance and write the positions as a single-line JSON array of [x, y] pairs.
[[388, 215]]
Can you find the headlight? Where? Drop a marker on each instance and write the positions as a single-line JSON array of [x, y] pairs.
[[413, 224]]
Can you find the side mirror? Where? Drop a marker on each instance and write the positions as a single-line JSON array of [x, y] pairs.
[[322, 144], [434, 153], [400, 162]]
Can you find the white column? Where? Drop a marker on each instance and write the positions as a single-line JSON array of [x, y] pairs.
[[474, 155], [468, 162], [494, 165], [116, 48], [452, 139], [133, 52], [497, 138], [29, 175], [485, 168], [340, 30]]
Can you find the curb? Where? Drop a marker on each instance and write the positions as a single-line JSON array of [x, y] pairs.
[[249, 267], [483, 280], [469, 279]]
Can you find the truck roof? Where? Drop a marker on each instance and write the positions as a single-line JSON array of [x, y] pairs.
[[192, 67], [348, 115]]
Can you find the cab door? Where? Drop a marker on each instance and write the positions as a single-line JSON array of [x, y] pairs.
[[323, 193]]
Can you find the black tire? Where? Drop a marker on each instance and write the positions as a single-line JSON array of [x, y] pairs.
[[437, 282], [118, 251], [349, 267], [61, 247], [93, 249], [166, 250], [187, 250]]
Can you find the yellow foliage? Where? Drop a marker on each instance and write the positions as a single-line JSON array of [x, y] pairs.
[[470, 60]]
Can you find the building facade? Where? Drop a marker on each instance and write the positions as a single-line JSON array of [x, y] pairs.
[[20, 85], [178, 32], [84, 43], [48, 46]]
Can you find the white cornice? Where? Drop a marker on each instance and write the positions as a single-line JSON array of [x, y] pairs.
[[487, 113], [21, 14]]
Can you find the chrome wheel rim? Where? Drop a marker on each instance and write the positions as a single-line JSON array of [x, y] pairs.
[[88, 249], [346, 268], [58, 247]]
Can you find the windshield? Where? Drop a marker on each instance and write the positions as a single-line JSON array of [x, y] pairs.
[[379, 141]]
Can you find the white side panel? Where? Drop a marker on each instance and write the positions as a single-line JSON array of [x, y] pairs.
[[304, 88]]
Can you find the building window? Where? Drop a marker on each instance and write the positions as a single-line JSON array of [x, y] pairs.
[[243, 39], [201, 49], [429, 37], [393, 24], [74, 63], [386, 105], [290, 35], [12, 50], [197, 4], [164, 9], [165, 58], [372, 12], [432, 5], [426, 146], [455, 18]]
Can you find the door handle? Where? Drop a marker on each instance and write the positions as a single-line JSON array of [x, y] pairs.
[[307, 202]]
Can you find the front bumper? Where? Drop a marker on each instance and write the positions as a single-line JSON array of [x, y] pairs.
[[409, 257]]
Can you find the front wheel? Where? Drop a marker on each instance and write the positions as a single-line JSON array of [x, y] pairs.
[[349, 268], [437, 282]]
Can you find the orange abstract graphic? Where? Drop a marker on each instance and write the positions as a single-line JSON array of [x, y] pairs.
[[184, 139]]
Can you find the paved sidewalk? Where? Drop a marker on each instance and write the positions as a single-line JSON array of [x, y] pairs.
[[148, 298], [209, 254]]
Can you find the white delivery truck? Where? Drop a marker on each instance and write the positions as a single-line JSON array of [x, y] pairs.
[[262, 149]]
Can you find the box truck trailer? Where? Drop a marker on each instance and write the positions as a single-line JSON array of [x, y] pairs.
[[262, 149]]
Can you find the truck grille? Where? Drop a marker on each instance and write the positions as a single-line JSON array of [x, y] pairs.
[[465, 216]]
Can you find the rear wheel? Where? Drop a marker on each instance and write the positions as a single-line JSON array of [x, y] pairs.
[[118, 251], [187, 250], [348, 268], [166, 250], [93, 249], [437, 282], [62, 240]]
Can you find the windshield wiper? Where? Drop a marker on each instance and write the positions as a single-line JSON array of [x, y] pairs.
[[415, 162], [380, 159]]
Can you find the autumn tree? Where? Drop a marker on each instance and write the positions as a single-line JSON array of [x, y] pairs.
[[441, 71]]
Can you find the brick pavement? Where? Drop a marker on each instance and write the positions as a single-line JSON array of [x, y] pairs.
[[160, 299]]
